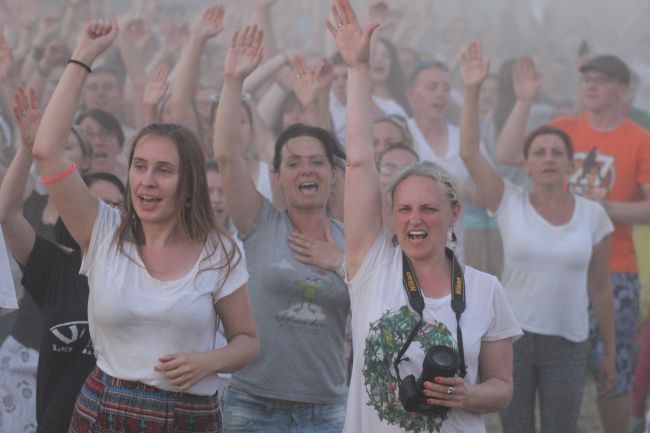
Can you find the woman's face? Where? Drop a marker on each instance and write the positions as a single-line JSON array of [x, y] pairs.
[[106, 148], [383, 135], [422, 216], [217, 201], [108, 192], [391, 163], [379, 63], [306, 174], [153, 179], [548, 161], [340, 83], [72, 151], [488, 96], [293, 114]]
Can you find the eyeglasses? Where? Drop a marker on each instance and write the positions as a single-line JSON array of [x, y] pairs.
[[245, 97], [388, 168], [102, 134], [596, 79]]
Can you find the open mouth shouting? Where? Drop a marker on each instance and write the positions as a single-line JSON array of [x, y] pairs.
[[308, 188], [416, 235]]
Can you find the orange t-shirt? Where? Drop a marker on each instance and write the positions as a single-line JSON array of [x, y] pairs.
[[612, 165]]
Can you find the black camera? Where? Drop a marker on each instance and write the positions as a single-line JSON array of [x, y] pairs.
[[439, 361]]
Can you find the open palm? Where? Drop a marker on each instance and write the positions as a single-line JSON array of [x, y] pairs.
[[352, 41], [28, 115], [525, 79], [245, 53], [211, 23], [472, 67]]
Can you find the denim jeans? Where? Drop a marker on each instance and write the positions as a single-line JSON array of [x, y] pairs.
[[243, 412]]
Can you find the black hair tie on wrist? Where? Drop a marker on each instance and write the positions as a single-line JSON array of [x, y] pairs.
[[82, 64]]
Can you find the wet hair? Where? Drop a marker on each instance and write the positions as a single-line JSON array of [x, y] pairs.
[[549, 130], [106, 120], [61, 234], [84, 143], [212, 165], [193, 212], [330, 143], [433, 171], [395, 80], [397, 146], [400, 123]]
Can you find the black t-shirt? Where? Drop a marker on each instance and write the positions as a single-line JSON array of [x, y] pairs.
[[66, 358]]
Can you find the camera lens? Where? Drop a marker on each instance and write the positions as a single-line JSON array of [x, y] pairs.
[[443, 358]]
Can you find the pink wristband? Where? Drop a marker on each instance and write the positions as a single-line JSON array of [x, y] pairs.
[[57, 177]]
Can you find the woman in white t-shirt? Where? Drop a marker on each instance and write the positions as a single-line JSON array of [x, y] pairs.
[[556, 249], [425, 206], [161, 273]]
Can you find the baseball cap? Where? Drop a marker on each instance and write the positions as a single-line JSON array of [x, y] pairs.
[[610, 65]]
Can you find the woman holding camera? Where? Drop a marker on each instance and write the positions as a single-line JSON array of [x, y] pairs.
[[556, 254], [425, 205]]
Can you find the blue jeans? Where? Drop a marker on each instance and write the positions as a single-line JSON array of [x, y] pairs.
[[243, 412]]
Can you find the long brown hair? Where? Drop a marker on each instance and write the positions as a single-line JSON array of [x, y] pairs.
[[193, 213]]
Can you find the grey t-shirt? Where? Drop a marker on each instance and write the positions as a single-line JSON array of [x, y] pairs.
[[301, 313]]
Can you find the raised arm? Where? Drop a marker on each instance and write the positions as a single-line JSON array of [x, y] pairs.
[[527, 83], [8, 75], [362, 200], [489, 186], [187, 75], [76, 204], [154, 92], [242, 198], [311, 87], [19, 235]]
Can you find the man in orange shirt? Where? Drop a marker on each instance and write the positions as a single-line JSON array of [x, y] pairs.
[[612, 165]]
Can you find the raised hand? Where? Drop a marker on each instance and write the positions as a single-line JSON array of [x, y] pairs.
[[244, 54], [28, 115], [472, 67], [525, 79], [96, 37], [305, 86], [211, 23], [353, 42], [157, 86], [7, 66], [136, 32]]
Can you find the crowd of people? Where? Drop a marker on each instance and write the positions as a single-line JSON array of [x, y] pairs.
[[374, 238]]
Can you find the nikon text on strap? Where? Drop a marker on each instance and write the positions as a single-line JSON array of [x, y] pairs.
[[416, 300]]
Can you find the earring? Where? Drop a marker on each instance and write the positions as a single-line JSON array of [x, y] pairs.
[[453, 240]]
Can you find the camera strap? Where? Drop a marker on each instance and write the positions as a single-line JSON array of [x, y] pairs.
[[416, 300]]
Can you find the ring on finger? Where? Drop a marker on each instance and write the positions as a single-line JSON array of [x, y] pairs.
[[339, 25], [451, 390]]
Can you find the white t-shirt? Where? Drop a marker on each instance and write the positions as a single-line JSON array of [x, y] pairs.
[[263, 181], [390, 107], [452, 162], [381, 322], [134, 319], [546, 266], [7, 290]]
